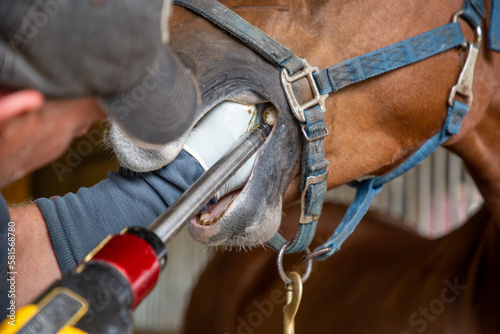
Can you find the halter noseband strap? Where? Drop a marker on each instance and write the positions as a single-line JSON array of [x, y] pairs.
[[331, 79]]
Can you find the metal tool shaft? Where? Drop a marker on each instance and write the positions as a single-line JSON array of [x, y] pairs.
[[169, 223]]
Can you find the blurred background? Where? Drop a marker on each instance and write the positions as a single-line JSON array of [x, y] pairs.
[[433, 199]]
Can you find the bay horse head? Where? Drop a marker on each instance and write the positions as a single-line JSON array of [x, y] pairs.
[[375, 125]]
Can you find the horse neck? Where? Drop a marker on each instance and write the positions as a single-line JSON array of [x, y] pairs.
[[484, 270], [480, 147], [470, 259], [478, 143]]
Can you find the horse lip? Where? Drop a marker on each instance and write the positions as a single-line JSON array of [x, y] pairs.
[[246, 97], [205, 232]]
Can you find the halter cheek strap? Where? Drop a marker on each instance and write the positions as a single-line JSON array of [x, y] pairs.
[[311, 113]]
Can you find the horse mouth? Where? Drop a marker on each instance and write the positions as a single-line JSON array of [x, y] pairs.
[[205, 227], [211, 215]]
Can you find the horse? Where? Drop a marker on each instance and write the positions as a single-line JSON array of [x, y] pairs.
[[385, 279], [375, 124]]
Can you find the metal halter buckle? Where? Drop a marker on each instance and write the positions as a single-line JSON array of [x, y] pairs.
[[287, 80], [310, 139], [309, 181]]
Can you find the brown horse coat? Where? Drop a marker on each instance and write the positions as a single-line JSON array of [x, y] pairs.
[[375, 124], [385, 279]]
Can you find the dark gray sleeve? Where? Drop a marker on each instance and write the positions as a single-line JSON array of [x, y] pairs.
[[78, 222], [4, 212], [4, 247]]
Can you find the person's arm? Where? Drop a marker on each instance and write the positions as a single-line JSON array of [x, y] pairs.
[[76, 223], [36, 263], [58, 232]]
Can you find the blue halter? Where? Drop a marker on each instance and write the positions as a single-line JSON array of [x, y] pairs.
[[323, 82]]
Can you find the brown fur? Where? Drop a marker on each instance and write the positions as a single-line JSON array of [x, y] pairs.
[[383, 274], [385, 279], [377, 123]]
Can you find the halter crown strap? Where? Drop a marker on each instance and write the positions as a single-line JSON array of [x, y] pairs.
[[494, 29]]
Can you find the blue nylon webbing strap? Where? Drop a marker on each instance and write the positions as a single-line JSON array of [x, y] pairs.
[[494, 30], [389, 58], [231, 22], [474, 12], [314, 167], [367, 189]]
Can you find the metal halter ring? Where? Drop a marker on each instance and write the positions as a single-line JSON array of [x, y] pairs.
[[282, 273], [321, 251], [478, 30]]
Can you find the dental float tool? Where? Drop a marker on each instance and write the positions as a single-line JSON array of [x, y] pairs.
[[168, 224], [125, 267]]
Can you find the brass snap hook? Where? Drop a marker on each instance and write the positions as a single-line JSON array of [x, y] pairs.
[[293, 287], [293, 299]]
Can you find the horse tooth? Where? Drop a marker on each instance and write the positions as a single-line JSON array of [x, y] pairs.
[[206, 223], [204, 217], [269, 115]]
